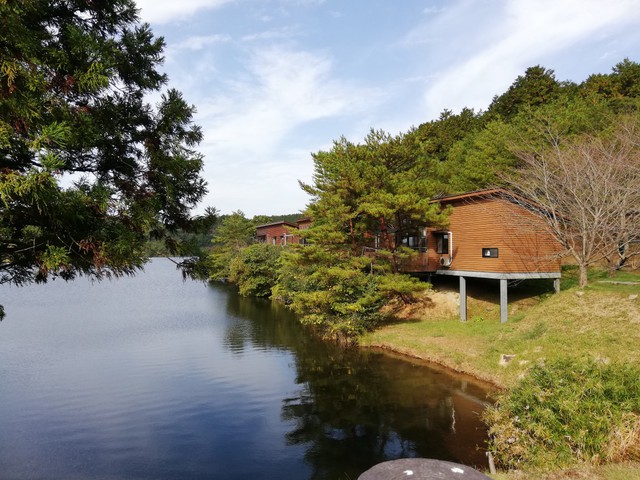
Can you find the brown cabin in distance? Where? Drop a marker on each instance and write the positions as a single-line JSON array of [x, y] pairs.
[[282, 233], [491, 234]]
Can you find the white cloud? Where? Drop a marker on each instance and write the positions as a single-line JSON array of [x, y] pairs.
[[269, 186], [199, 42], [433, 10], [303, 2], [165, 11], [529, 30], [278, 34], [280, 90], [250, 121]]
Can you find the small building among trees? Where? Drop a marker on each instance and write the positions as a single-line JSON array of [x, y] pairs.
[[277, 233], [282, 232], [492, 234]]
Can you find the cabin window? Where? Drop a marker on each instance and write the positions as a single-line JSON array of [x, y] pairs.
[[490, 252], [417, 242], [414, 241], [442, 243]]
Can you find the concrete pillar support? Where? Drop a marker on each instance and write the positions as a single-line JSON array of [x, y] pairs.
[[503, 301], [556, 285], [463, 299]]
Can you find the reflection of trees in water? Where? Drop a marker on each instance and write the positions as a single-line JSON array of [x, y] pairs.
[[358, 408], [260, 323], [340, 417]]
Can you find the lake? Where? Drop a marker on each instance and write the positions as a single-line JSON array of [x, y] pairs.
[[153, 377]]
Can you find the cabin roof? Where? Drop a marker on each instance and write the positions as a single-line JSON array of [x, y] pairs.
[[274, 224], [496, 192], [487, 192]]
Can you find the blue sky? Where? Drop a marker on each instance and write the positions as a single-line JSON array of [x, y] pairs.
[[275, 80]]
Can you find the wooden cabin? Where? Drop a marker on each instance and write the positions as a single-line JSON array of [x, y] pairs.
[[277, 233], [491, 234], [282, 233]]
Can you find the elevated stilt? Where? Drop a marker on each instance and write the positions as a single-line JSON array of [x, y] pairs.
[[503, 301], [463, 299]]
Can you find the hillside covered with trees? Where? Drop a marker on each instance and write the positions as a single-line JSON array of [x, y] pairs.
[[572, 148]]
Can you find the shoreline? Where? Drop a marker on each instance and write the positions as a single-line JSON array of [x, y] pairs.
[[598, 323], [439, 363]]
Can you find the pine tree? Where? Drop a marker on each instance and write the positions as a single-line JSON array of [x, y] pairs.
[[88, 167]]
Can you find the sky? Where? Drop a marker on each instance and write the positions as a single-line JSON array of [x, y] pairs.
[[274, 81]]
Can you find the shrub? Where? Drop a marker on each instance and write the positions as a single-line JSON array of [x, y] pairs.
[[568, 412], [254, 269]]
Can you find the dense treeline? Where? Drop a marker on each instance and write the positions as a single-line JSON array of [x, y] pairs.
[[376, 194], [194, 243]]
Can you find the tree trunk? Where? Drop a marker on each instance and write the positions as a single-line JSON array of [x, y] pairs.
[[388, 244], [353, 237], [582, 279], [621, 256]]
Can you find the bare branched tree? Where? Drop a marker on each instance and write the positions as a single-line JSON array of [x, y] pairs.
[[587, 189]]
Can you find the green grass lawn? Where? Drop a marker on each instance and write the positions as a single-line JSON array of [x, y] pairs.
[[600, 322], [628, 471]]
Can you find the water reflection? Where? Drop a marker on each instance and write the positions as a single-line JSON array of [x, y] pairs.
[[150, 377], [353, 409], [261, 323]]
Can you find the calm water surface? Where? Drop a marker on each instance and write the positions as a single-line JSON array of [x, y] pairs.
[[151, 377]]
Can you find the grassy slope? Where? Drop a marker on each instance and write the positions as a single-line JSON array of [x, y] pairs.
[[629, 471], [601, 322]]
